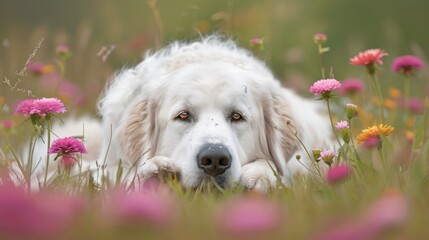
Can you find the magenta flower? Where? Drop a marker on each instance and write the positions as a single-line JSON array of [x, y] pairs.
[[342, 125], [38, 216], [45, 106], [320, 38], [62, 48], [257, 44], [255, 41], [368, 57], [41, 106], [337, 173], [390, 210], [406, 64], [7, 124], [249, 216], [351, 87], [324, 86], [25, 107], [66, 146], [415, 106], [63, 51], [36, 67], [371, 142], [154, 207]]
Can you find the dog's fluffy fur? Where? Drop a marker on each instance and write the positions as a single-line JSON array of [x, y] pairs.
[[208, 80]]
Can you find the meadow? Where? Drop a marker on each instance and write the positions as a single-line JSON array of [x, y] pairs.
[[375, 88]]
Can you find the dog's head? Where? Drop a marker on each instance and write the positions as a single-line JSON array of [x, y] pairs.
[[208, 106]]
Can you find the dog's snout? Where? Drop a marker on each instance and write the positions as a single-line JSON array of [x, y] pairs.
[[214, 159]]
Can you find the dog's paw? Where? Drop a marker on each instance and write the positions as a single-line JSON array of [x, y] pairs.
[[158, 165], [258, 176]]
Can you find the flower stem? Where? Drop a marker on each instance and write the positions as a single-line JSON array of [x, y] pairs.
[[320, 50], [313, 161], [330, 119], [407, 95], [379, 94], [352, 142], [49, 128]]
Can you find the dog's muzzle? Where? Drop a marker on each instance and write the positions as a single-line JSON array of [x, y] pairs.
[[214, 159]]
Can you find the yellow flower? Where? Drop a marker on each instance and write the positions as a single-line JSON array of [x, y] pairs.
[[48, 68], [1, 100], [395, 93], [390, 104], [409, 135], [409, 122], [374, 131]]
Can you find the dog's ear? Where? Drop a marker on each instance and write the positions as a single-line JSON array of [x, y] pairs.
[[128, 119], [138, 131], [279, 124]]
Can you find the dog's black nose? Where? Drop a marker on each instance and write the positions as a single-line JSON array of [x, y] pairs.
[[214, 159]]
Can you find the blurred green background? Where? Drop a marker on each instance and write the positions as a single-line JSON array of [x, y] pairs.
[[131, 27]]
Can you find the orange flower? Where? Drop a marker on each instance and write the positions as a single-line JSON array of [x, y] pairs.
[[395, 93], [48, 68], [390, 104], [369, 56], [374, 132]]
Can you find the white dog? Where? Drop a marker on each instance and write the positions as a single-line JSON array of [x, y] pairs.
[[208, 110]]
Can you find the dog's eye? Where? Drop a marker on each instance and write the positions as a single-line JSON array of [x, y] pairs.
[[183, 115], [236, 116]]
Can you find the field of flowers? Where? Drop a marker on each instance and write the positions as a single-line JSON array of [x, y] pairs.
[[376, 185]]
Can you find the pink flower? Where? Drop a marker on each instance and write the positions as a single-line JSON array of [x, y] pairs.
[[342, 125], [62, 48], [45, 106], [351, 87], [390, 210], [337, 173], [63, 51], [257, 44], [327, 156], [37, 216], [369, 56], [414, 105], [324, 86], [39, 68], [41, 106], [351, 111], [320, 38], [154, 206], [36, 67], [371, 142], [406, 64], [7, 124], [69, 91], [25, 107], [249, 216], [254, 41], [66, 146]]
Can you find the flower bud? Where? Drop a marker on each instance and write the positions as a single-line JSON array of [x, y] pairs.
[[316, 154], [320, 38], [351, 111]]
